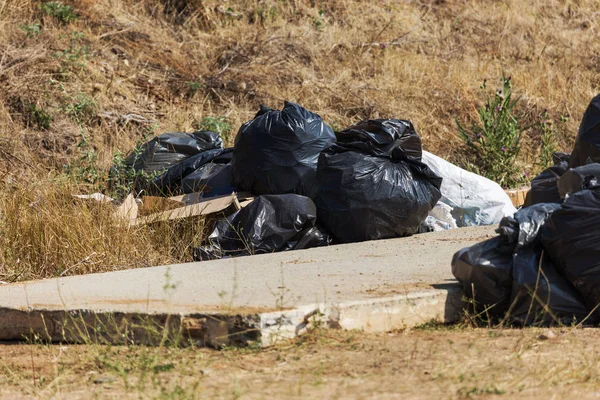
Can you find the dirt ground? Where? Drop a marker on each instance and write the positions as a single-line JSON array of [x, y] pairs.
[[420, 364]]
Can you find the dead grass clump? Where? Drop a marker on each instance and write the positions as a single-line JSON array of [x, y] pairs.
[[45, 232]]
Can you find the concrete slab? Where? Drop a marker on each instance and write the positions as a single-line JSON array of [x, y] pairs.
[[375, 286]]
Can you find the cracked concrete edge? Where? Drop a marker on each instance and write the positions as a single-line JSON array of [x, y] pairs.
[[369, 315], [230, 329]]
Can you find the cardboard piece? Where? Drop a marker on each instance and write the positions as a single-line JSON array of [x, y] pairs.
[[517, 196], [155, 204], [193, 198], [205, 207], [128, 210]]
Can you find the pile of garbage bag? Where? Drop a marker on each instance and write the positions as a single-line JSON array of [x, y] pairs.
[[313, 186], [544, 187], [372, 183], [544, 267]]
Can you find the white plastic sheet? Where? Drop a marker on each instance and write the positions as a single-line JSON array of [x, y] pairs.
[[474, 200]]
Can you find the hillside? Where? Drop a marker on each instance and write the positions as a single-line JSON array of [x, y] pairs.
[[84, 80]]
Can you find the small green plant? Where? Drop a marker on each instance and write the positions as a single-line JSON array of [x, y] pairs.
[[318, 22], [193, 88], [85, 169], [124, 177], [495, 139], [31, 30], [58, 10], [72, 59], [219, 125], [81, 109], [36, 117]]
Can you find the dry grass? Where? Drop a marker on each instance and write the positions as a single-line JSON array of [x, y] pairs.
[[440, 364], [45, 232], [175, 62]]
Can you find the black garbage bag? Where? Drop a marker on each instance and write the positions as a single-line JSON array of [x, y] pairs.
[[540, 295], [580, 178], [169, 149], [270, 223], [572, 239], [485, 272], [504, 275], [151, 161], [213, 179], [385, 136], [372, 185], [170, 182], [544, 187], [587, 146], [277, 151]]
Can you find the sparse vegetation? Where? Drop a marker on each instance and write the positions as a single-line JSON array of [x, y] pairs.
[[468, 363], [495, 139], [31, 30], [216, 124], [60, 11]]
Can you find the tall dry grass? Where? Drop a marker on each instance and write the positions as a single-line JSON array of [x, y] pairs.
[[46, 232], [66, 91]]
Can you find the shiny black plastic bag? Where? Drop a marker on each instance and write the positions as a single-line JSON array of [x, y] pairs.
[[277, 151], [587, 146], [580, 178], [485, 273], [384, 137], [540, 295], [213, 179], [572, 239], [270, 223], [544, 187], [372, 185], [169, 149], [150, 163], [511, 274], [170, 182]]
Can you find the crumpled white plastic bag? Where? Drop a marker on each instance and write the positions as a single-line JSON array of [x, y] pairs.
[[474, 200]]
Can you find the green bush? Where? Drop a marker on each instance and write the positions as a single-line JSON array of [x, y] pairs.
[[495, 139], [58, 10], [219, 125]]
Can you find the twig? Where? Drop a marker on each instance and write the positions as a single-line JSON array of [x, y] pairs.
[[79, 263], [126, 118], [2, 5], [114, 33]]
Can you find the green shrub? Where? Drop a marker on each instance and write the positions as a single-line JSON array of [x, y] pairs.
[[219, 125], [37, 117], [32, 29], [495, 139], [81, 109], [58, 10]]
